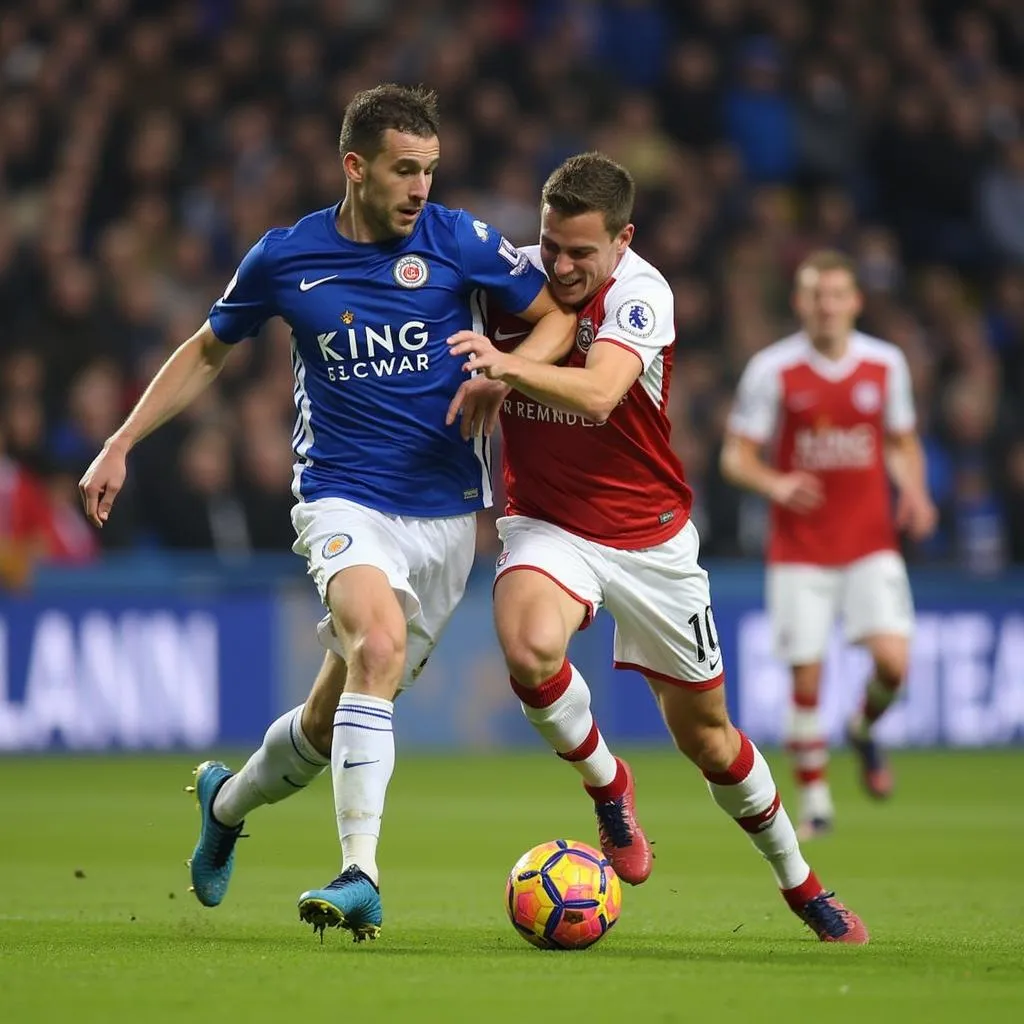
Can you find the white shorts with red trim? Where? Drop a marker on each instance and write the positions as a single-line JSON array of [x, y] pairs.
[[871, 595], [659, 597], [426, 561]]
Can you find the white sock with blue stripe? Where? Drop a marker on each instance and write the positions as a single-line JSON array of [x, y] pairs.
[[362, 760], [284, 764]]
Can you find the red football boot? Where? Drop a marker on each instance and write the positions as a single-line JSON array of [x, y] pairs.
[[875, 775], [831, 921], [622, 839]]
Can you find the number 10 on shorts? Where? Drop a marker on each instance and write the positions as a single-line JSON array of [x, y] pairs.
[[705, 637]]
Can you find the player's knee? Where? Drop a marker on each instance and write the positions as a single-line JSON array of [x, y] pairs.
[[377, 661], [533, 653], [891, 663]]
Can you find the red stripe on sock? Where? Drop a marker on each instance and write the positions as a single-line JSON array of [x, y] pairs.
[[614, 789], [759, 822], [586, 748], [801, 701], [800, 894], [805, 746], [739, 769], [805, 776], [546, 693]]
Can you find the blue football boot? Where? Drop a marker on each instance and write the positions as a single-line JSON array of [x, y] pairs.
[[351, 901], [214, 856]]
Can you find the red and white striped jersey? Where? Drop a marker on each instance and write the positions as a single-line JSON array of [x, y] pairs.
[[830, 418], [618, 483]]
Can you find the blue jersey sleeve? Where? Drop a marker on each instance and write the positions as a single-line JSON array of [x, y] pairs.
[[246, 304], [491, 262]]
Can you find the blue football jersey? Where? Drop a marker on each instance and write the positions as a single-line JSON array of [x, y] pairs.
[[373, 374]]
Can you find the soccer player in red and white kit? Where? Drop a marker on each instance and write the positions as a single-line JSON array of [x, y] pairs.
[[837, 407], [599, 514]]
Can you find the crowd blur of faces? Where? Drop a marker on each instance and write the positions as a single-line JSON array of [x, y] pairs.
[[146, 144]]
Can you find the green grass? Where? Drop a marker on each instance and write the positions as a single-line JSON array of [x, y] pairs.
[[937, 875]]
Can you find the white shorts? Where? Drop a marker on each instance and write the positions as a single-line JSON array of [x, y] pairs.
[[426, 561], [872, 595], [659, 597]]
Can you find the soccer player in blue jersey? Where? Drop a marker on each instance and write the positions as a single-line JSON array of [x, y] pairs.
[[385, 491]]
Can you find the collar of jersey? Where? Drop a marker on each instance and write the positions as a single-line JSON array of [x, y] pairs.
[[396, 246]]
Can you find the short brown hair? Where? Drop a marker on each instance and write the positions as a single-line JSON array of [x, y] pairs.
[[827, 259], [591, 182], [372, 112]]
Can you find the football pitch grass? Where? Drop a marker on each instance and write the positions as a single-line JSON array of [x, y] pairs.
[[96, 923]]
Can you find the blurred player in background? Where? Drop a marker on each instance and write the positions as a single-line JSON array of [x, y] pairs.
[[836, 406], [386, 492], [599, 514]]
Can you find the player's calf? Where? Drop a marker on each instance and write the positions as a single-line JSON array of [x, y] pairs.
[[559, 709]]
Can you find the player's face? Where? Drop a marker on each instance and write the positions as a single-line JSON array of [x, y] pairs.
[[578, 253], [395, 184], [828, 303]]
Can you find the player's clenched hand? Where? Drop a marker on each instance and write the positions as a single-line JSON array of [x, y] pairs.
[[801, 492], [478, 402], [916, 514], [101, 483], [483, 356]]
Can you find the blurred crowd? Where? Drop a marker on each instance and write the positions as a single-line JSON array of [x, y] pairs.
[[146, 144]]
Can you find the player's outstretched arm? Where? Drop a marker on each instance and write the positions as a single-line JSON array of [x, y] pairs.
[[915, 510], [742, 464], [190, 369]]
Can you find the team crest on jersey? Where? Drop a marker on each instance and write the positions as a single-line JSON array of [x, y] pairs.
[[866, 396], [411, 272], [336, 544], [636, 317], [584, 334]]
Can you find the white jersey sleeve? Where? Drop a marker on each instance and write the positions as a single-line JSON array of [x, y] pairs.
[[900, 416], [755, 411], [639, 312]]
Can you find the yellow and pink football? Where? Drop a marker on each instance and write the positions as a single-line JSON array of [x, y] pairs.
[[563, 895]]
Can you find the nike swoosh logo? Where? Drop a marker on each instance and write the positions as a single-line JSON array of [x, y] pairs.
[[356, 764], [714, 664], [305, 285], [500, 335]]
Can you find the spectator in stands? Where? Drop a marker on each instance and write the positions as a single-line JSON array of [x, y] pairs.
[[1002, 204]]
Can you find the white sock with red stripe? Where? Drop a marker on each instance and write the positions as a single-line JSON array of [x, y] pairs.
[[806, 744], [559, 709], [747, 792]]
